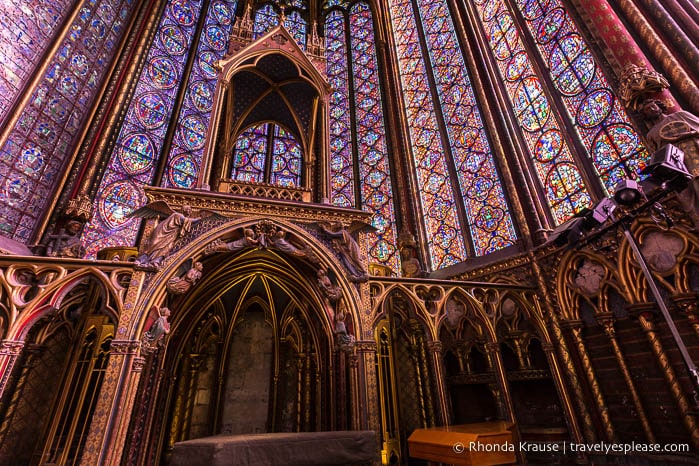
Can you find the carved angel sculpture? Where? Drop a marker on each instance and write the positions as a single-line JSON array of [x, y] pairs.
[[181, 285], [173, 225], [158, 329], [347, 248]]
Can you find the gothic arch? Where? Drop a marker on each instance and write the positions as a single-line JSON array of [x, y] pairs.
[[53, 295], [155, 291]]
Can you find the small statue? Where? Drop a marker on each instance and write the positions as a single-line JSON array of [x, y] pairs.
[[344, 340], [159, 328], [172, 226], [181, 285], [679, 128], [249, 239], [347, 248], [332, 292], [66, 243]]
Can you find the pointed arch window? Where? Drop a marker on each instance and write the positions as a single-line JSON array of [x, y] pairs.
[[267, 153], [360, 168], [461, 195]]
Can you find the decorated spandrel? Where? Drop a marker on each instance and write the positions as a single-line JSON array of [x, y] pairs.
[[444, 238], [140, 140], [187, 148], [374, 169], [27, 30], [49, 125], [555, 167], [598, 116], [341, 164], [488, 215]]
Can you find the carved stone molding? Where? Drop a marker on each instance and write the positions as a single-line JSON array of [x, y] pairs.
[[241, 205]]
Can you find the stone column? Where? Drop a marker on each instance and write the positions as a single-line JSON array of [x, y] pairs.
[[436, 349], [110, 421], [9, 352], [603, 411], [608, 325], [493, 350], [618, 45], [648, 326], [366, 406], [571, 418]]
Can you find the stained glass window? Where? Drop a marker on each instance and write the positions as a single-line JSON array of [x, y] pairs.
[[139, 144], [185, 154], [342, 165], [48, 127], [563, 184], [267, 153], [267, 17], [601, 122], [373, 170], [27, 30], [467, 155]]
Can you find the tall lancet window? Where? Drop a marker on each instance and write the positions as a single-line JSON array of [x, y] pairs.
[[39, 135], [461, 194], [267, 17], [592, 118], [360, 171], [167, 117]]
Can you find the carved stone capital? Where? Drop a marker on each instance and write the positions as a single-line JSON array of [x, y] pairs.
[[138, 363], [365, 346], [124, 346], [547, 347], [491, 346], [434, 346], [572, 324], [11, 347]]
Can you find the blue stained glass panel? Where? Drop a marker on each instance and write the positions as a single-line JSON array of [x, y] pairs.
[[151, 107]]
